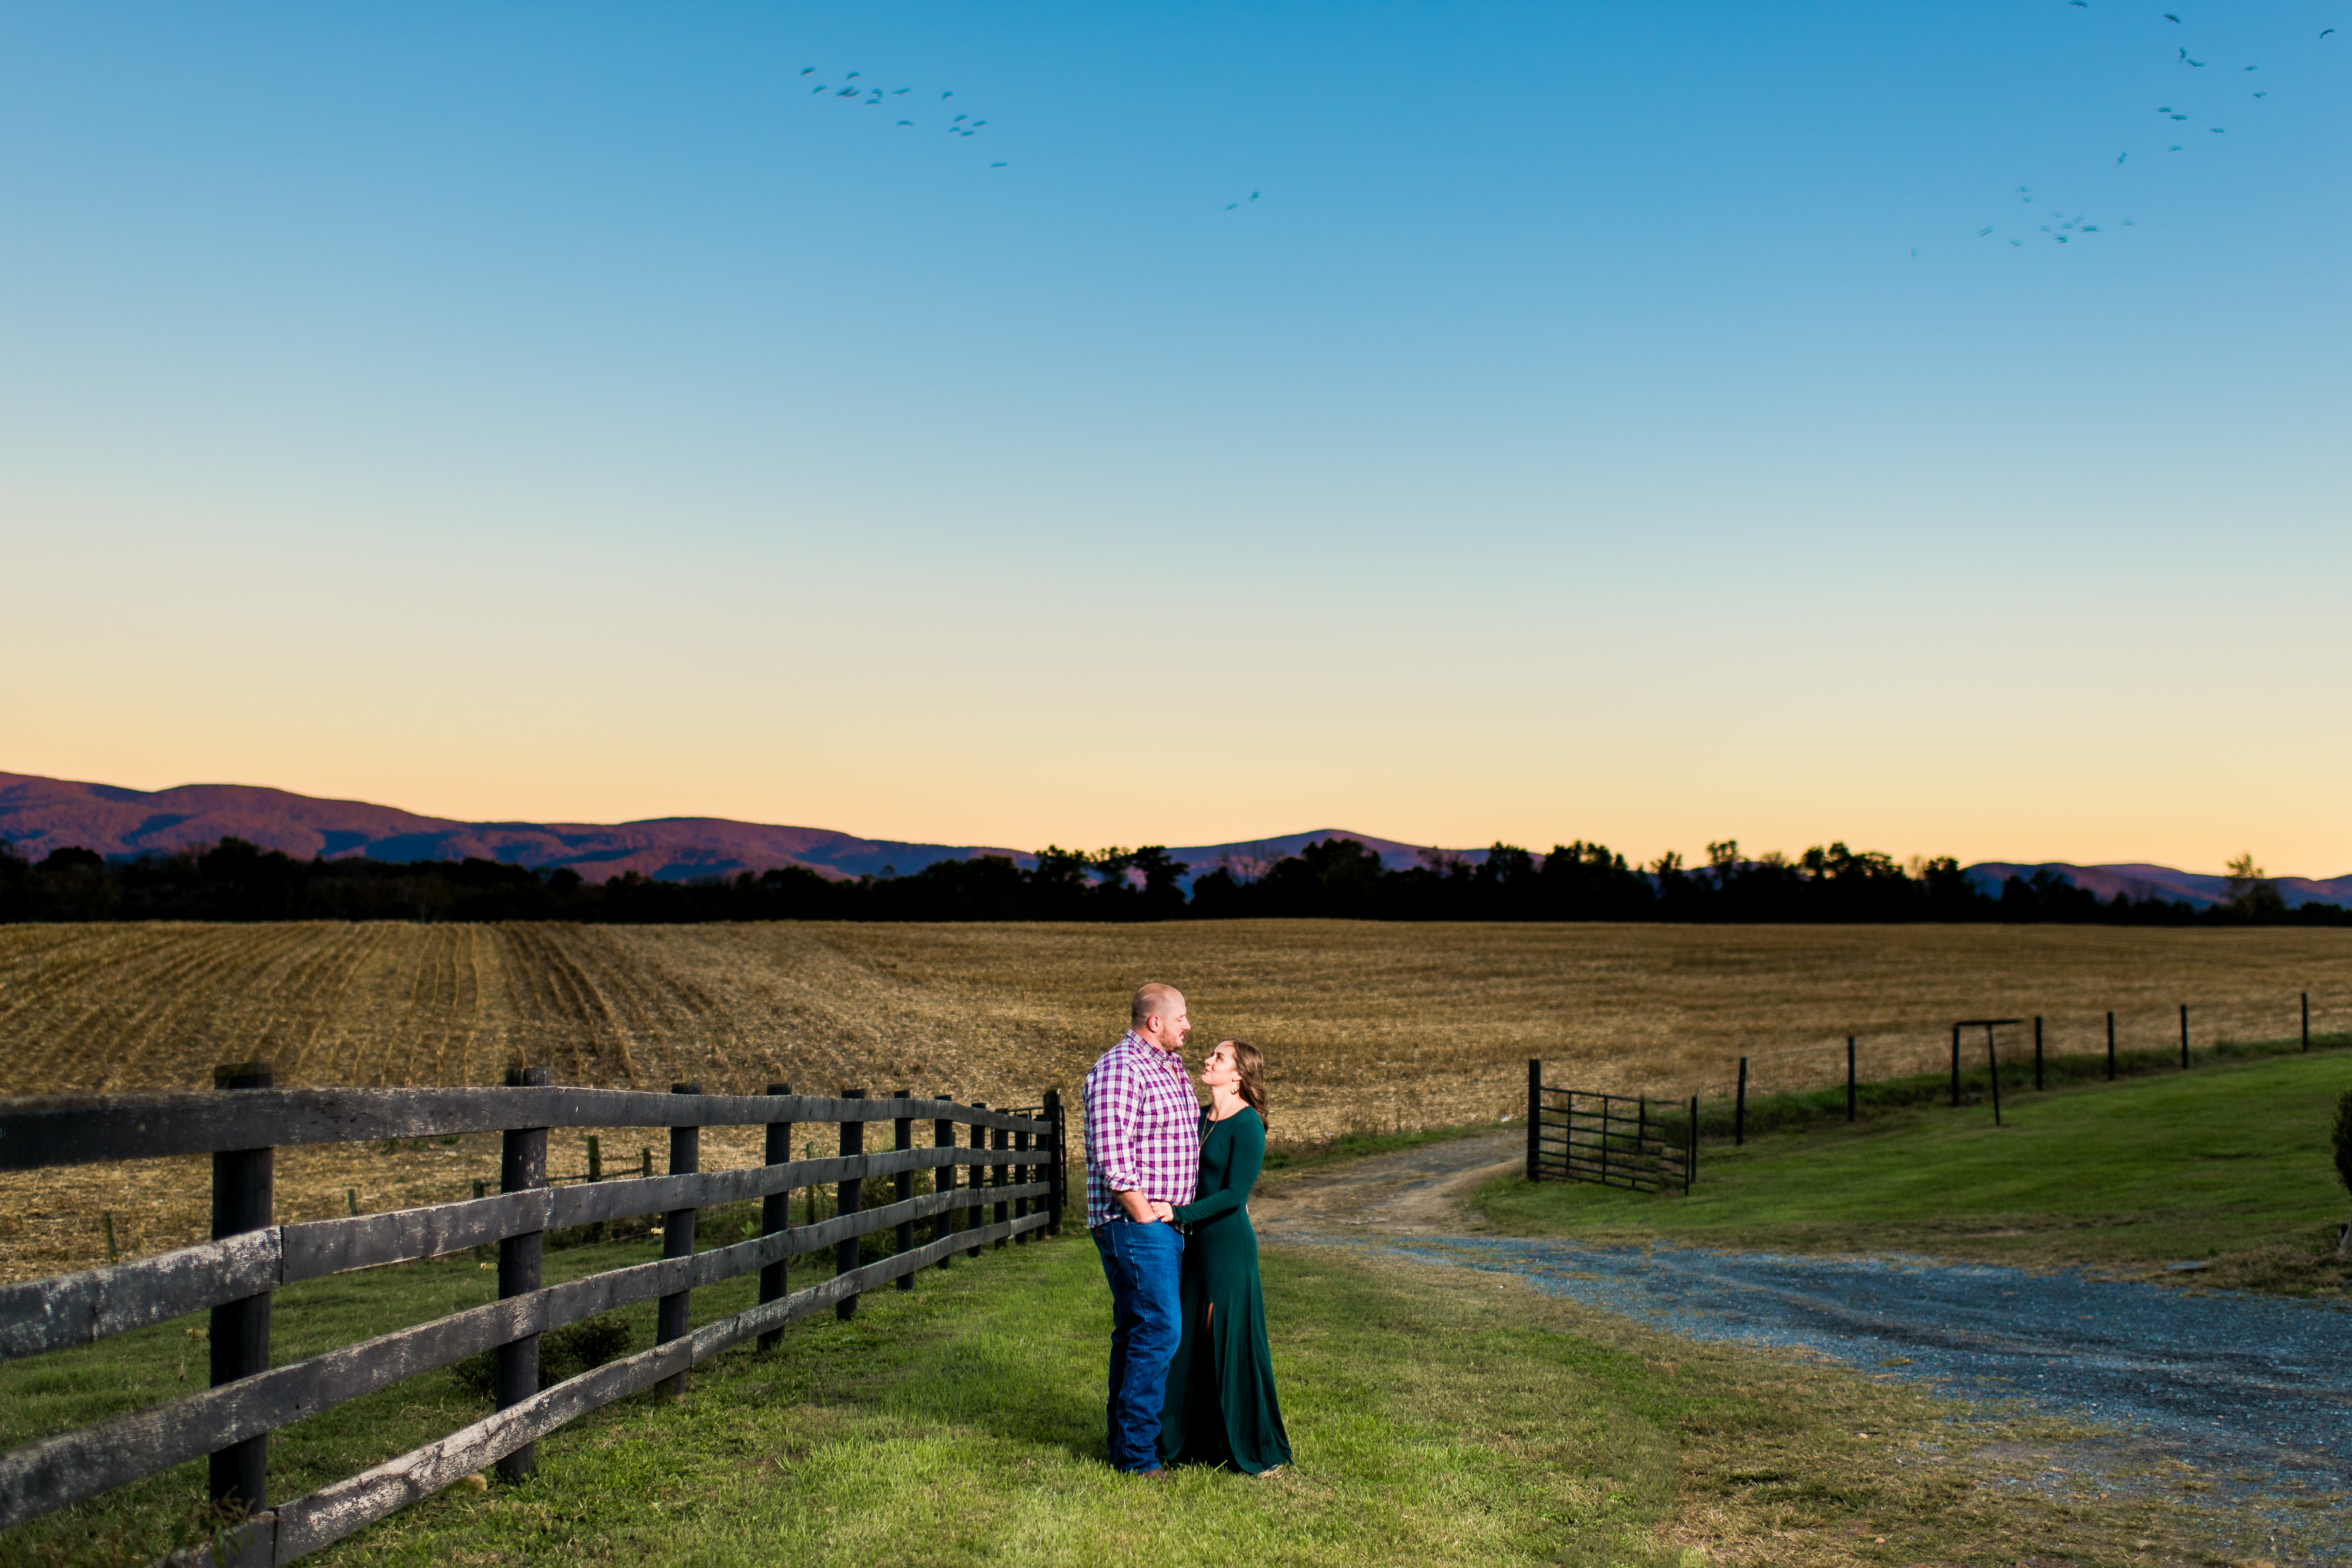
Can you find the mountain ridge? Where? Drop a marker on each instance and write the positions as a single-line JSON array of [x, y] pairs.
[[39, 815]]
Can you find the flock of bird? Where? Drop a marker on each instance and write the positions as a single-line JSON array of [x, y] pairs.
[[2062, 229], [957, 127], [871, 97]]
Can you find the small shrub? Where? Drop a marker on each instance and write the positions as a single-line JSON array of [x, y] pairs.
[[564, 1352]]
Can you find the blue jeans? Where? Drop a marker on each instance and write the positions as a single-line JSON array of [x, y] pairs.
[[1144, 1264]]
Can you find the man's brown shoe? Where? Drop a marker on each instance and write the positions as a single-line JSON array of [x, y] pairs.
[[1157, 1473]]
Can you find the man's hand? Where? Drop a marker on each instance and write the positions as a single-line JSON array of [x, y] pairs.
[[1137, 1207], [1162, 1212]]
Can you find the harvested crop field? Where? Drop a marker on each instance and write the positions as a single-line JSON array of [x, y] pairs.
[[1364, 1025]]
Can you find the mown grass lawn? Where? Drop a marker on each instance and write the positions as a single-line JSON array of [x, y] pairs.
[[2228, 1165], [1440, 1416]]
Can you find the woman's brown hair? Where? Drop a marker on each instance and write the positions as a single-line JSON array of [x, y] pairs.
[[1250, 1062]]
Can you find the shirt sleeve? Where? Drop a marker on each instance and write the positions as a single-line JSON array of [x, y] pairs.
[[1115, 1113], [1241, 1175]]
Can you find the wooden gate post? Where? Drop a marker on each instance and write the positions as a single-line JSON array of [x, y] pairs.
[[1740, 1107], [2307, 1020], [943, 1179], [1058, 1175], [1690, 1165], [677, 1240], [776, 1214], [849, 1197], [522, 1164], [1849, 1078], [904, 1127], [1955, 1067], [242, 1184], [2184, 1037], [1535, 1118], [2111, 1046], [2037, 1053]]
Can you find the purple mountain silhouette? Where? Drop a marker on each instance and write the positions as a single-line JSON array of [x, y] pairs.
[[38, 815]]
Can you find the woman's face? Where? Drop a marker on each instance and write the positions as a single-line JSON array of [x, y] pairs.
[[1219, 1071]]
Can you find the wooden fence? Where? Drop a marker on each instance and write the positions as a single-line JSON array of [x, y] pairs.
[[1617, 1140], [1013, 1186]]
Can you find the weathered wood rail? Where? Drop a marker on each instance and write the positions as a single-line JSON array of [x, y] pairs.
[[1012, 1164]]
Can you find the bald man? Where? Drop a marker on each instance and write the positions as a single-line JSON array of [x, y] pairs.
[[1143, 1147]]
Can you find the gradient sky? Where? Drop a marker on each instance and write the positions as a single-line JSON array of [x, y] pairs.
[[560, 412]]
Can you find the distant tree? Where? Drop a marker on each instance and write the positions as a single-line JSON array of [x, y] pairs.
[[2253, 897]]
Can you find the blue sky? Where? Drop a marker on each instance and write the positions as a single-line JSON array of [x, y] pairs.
[[563, 412]]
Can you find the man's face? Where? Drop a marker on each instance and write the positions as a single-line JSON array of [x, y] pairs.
[[1168, 1028]]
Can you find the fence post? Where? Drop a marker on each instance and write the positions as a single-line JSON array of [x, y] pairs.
[[595, 1174], [943, 1179], [1060, 1173], [1642, 1128], [2110, 1045], [1535, 1119], [979, 1175], [1001, 1177], [847, 1198], [677, 1240], [1690, 1165], [522, 1164], [1849, 1078], [1021, 1177], [2307, 1020], [1993, 1067], [2184, 1037], [2037, 1053], [1955, 1067], [776, 1214], [242, 1182], [904, 1127], [1740, 1107]]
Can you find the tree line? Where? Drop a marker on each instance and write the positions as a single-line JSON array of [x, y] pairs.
[[1331, 878]]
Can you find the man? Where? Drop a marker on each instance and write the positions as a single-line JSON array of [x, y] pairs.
[[1143, 1147]]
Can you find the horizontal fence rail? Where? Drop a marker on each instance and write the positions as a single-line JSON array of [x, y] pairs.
[[1616, 1140], [1006, 1185]]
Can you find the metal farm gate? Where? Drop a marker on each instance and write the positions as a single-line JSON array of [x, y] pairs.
[[1617, 1140]]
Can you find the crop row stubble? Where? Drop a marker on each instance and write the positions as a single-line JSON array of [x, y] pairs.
[[1365, 1025]]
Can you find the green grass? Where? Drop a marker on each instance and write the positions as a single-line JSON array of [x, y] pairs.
[[2228, 1163], [1440, 1416], [1292, 1158]]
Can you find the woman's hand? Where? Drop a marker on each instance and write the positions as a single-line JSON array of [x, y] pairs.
[[1163, 1213]]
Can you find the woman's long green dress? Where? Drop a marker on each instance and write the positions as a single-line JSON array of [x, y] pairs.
[[1220, 1408]]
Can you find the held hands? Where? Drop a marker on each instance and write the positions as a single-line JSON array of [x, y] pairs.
[[1162, 1212]]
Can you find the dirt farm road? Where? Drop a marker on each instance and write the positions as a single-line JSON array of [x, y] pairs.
[[2251, 1390]]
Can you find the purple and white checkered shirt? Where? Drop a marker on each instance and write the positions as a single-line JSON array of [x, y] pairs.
[[1143, 1128]]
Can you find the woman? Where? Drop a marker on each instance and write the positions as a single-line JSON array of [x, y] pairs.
[[1220, 1408]]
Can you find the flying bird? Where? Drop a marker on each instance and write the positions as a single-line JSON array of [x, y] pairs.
[[2170, 17], [808, 70], [1231, 205], [997, 165], [2121, 156], [2262, 95], [906, 122], [1984, 230], [852, 76], [1253, 196], [896, 91], [945, 96], [2325, 32]]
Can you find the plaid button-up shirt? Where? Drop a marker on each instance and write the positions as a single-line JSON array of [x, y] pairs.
[[1143, 1128]]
